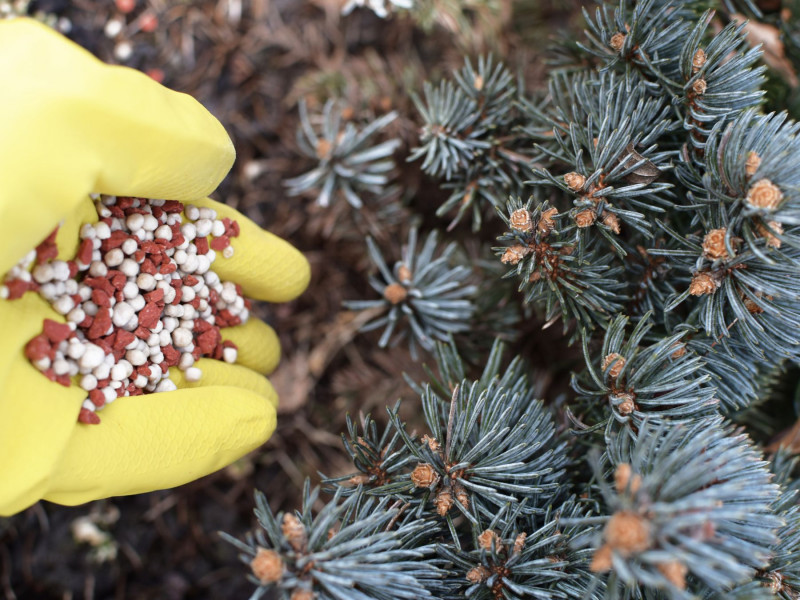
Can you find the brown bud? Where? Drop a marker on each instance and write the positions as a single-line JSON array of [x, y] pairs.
[[431, 441], [702, 283], [617, 41], [519, 542], [627, 406], [324, 148], [752, 163], [773, 241], [750, 304], [424, 476], [488, 537], [622, 479], [267, 566], [714, 244], [616, 361], [575, 181], [611, 221], [764, 194], [698, 60], [360, 479], [699, 87], [514, 254], [477, 83], [520, 220], [478, 574], [675, 572], [627, 533], [585, 218], [680, 350], [403, 273], [461, 495], [294, 532], [601, 561], [395, 293], [443, 501], [546, 222], [535, 276]]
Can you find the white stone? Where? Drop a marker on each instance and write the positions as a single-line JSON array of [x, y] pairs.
[[88, 382], [181, 337], [229, 355], [166, 385], [193, 374], [136, 357], [63, 305], [164, 232], [92, 357], [114, 257], [122, 314]]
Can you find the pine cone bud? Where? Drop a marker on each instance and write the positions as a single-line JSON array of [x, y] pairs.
[[294, 532], [478, 574], [443, 502], [403, 273], [618, 41], [267, 566], [601, 561], [773, 241], [575, 181], [424, 476], [627, 406], [514, 254], [477, 83], [627, 533], [611, 221], [698, 60], [714, 244], [431, 441], [519, 543], [702, 283], [323, 149], [585, 218], [395, 293], [360, 479], [622, 479], [750, 304], [487, 537], [461, 495], [699, 87], [546, 222], [300, 594], [617, 366], [675, 572], [520, 220], [764, 194], [680, 350], [752, 164]]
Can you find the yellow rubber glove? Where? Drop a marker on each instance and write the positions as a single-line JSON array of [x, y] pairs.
[[70, 125]]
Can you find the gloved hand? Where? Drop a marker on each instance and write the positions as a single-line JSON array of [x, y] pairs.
[[70, 125]]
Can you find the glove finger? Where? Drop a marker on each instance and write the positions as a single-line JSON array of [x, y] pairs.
[[38, 415], [159, 441], [221, 374], [259, 348], [267, 267], [91, 128]]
